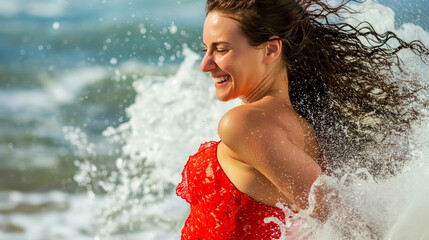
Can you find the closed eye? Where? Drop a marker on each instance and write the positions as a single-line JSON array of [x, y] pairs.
[[222, 50]]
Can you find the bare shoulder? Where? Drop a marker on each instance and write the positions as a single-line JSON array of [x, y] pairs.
[[241, 116], [274, 141], [240, 125], [251, 127]]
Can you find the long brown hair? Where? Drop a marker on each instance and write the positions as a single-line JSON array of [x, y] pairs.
[[337, 81]]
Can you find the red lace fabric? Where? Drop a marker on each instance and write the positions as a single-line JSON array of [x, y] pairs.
[[218, 209]]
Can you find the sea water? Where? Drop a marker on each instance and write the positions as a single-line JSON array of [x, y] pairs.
[[102, 102]]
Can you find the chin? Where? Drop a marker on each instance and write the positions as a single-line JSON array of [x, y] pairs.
[[223, 98]]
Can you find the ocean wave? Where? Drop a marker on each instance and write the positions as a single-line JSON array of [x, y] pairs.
[[46, 8]]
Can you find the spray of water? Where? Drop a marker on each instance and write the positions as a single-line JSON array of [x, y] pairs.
[[170, 117], [364, 208], [359, 206]]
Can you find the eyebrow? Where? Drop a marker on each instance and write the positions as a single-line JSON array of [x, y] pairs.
[[217, 43]]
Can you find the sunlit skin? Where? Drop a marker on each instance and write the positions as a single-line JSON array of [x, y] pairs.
[[267, 150], [250, 74]]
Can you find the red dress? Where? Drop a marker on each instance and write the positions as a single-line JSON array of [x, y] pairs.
[[218, 209]]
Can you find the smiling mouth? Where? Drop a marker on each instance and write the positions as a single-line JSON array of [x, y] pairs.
[[221, 79]]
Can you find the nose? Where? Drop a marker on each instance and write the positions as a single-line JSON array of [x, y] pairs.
[[207, 64]]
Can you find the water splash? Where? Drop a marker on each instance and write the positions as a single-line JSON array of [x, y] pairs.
[[170, 117], [364, 208]]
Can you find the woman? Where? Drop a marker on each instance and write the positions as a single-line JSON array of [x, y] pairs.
[[299, 77]]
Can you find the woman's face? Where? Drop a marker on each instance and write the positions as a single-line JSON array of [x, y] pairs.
[[236, 67]]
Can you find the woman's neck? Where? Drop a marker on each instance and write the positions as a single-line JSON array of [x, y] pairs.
[[273, 86]]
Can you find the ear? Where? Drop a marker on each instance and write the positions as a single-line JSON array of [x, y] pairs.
[[273, 49]]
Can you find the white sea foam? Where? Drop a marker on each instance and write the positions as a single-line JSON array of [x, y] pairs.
[[60, 91], [28, 100], [381, 17], [171, 116], [56, 215], [68, 86]]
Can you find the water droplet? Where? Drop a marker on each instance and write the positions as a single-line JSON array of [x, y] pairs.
[[167, 46], [142, 29], [172, 28], [161, 61], [113, 61], [119, 163], [56, 25]]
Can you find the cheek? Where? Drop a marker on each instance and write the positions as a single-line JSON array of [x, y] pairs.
[[252, 62], [226, 63]]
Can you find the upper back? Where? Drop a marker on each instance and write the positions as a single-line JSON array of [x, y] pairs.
[[271, 116], [265, 147]]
